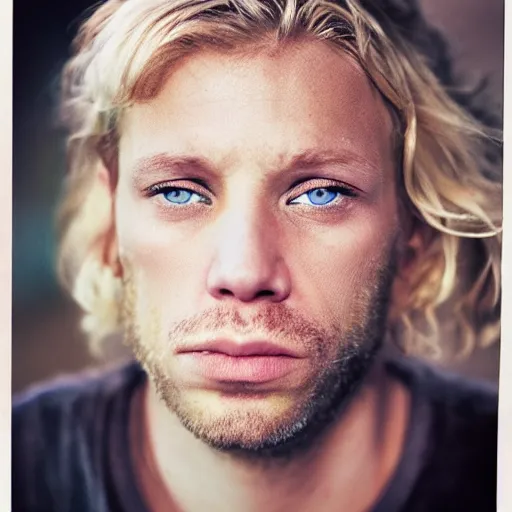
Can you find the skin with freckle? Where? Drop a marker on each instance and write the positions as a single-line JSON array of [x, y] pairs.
[[220, 233]]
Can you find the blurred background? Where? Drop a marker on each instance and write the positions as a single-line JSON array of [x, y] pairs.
[[46, 337]]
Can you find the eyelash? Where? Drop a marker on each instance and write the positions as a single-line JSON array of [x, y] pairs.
[[341, 191], [165, 188]]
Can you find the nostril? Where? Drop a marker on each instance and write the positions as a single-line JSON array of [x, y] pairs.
[[226, 292], [265, 293]]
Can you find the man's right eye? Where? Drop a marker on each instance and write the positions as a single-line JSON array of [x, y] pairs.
[[181, 196], [177, 196]]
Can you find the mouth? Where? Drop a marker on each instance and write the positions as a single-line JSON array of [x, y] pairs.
[[235, 349], [247, 362]]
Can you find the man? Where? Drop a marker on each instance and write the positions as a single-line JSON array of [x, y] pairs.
[[265, 197]]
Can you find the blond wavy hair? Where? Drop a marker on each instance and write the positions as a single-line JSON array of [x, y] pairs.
[[449, 162]]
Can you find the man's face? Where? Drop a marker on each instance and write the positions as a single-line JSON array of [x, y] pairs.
[[256, 219]]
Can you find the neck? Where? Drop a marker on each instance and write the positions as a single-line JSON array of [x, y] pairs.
[[348, 468]]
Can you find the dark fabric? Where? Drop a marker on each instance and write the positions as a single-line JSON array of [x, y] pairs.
[[70, 445], [450, 457], [460, 459]]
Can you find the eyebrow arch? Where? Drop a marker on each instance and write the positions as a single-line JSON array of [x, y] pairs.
[[313, 158], [161, 162]]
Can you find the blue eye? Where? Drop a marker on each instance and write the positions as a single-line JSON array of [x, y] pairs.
[[181, 196], [317, 197]]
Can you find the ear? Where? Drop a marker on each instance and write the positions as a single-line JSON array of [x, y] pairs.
[[107, 178], [111, 250], [411, 250], [412, 235], [414, 244], [108, 171]]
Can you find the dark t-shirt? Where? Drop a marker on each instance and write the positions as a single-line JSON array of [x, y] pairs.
[[71, 445]]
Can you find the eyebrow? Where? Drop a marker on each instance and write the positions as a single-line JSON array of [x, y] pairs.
[[162, 162], [309, 159]]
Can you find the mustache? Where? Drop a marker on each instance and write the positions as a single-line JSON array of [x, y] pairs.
[[276, 320]]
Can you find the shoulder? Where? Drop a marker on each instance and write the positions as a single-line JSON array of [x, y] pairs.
[[57, 427], [68, 388], [68, 399], [447, 390], [462, 411], [460, 456]]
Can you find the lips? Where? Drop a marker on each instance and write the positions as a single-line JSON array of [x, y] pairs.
[[228, 361], [234, 349]]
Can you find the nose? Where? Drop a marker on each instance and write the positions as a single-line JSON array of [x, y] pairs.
[[247, 264]]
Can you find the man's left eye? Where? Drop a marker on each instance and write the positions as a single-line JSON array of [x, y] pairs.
[[318, 196]]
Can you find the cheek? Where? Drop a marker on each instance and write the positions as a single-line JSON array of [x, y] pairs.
[[337, 268], [167, 261]]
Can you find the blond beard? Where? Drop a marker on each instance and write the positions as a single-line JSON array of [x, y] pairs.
[[342, 358]]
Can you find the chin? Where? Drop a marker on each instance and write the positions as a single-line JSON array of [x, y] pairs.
[[271, 425], [238, 425]]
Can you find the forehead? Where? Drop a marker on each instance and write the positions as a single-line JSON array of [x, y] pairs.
[[262, 105]]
